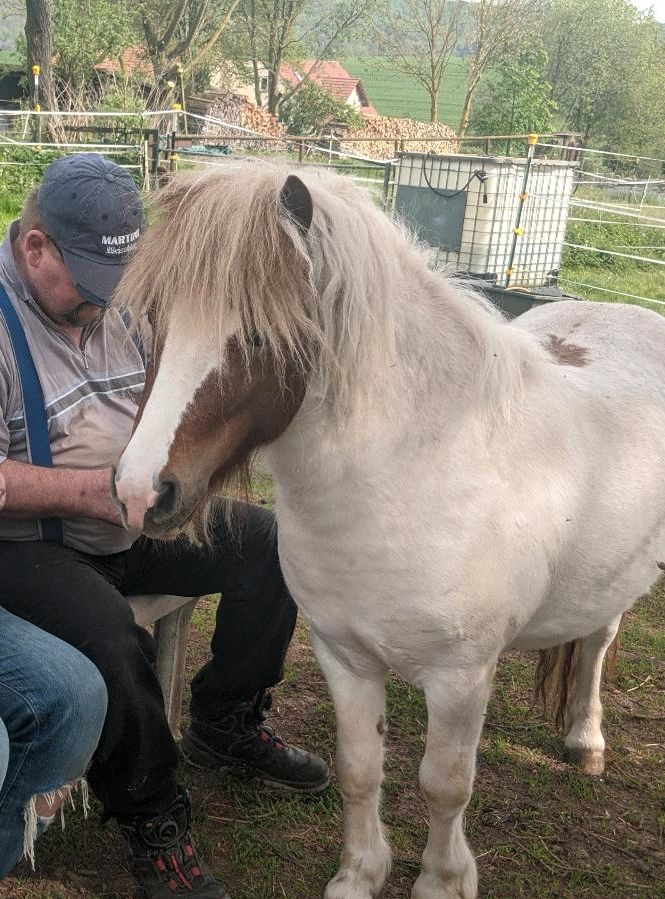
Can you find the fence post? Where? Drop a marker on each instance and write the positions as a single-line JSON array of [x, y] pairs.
[[174, 131], [36, 105], [153, 137], [517, 229], [387, 171], [181, 84]]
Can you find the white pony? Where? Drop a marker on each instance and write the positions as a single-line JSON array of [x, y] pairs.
[[449, 485]]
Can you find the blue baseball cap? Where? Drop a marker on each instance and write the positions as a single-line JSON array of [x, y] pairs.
[[92, 211]]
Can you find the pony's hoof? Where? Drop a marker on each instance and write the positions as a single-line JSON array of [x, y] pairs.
[[465, 888], [349, 884], [590, 760], [346, 890], [431, 887]]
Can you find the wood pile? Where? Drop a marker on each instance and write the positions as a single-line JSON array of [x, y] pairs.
[[386, 134], [236, 110]]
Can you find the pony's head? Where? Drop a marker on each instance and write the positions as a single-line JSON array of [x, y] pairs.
[[257, 286]]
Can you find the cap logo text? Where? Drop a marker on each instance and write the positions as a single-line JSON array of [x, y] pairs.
[[119, 243]]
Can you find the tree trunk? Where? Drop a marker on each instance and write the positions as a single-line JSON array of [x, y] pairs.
[[38, 37], [434, 105], [472, 83], [39, 41]]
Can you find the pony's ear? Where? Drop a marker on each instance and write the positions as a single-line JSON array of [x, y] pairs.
[[297, 201]]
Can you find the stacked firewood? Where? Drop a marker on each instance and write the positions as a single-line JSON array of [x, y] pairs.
[[234, 109], [389, 136]]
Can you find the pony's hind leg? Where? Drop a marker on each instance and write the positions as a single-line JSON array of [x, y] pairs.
[[585, 745], [360, 715], [456, 706]]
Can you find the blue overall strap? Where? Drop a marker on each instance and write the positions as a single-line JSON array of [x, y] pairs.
[[34, 413]]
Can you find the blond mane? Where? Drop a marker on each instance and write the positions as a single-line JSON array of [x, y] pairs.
[[339, 298]]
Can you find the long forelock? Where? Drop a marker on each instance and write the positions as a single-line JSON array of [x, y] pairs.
[[220, 249]]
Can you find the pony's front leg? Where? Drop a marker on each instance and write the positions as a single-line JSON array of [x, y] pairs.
[[456, 703], [585, 745], [360, 712]]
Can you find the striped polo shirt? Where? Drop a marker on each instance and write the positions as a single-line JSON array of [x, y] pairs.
[[91, 394]]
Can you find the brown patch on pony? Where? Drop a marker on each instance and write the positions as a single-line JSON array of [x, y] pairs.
[[555, 678], [567, 353], [381, 725]]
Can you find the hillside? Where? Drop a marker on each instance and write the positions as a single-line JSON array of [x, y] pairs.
[[395, 94]]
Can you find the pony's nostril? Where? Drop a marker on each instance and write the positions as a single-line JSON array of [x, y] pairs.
[[168, 499]]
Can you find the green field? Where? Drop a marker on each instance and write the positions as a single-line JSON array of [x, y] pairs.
[[395, 94]]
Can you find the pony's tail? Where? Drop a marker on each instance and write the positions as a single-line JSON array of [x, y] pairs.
[[556, 676]]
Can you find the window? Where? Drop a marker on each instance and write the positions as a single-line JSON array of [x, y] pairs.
[[263, 83]]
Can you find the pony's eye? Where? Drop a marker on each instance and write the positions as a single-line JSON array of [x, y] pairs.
[[255, 339]]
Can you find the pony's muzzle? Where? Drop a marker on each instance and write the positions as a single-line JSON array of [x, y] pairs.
[[167, 504]]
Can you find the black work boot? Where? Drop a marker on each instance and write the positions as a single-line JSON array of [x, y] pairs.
[[166, 863], [239, 742]]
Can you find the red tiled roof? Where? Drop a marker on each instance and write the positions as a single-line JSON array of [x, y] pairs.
[[331, 75], [132, 59]]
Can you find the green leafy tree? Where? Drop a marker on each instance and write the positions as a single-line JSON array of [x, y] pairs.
[[497, 29], [88, 31], [174, 34], [607, 70], [313, 107], [515, 97], [183, 32]]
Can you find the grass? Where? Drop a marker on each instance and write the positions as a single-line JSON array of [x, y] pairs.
[[539, 828], [596, 275], [396, 94], [649, 283]]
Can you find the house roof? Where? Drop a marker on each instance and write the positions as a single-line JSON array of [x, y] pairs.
[[331, 75], [132, 60]]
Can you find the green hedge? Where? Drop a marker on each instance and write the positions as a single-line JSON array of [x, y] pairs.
[[20, 169], [625, 238]]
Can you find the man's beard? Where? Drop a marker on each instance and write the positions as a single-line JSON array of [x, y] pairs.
[[78, 320]]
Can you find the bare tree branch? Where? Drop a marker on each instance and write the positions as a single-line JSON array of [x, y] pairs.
[[272, 30], [499, 28], [170, 29], [419, 37], [210, 43]]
